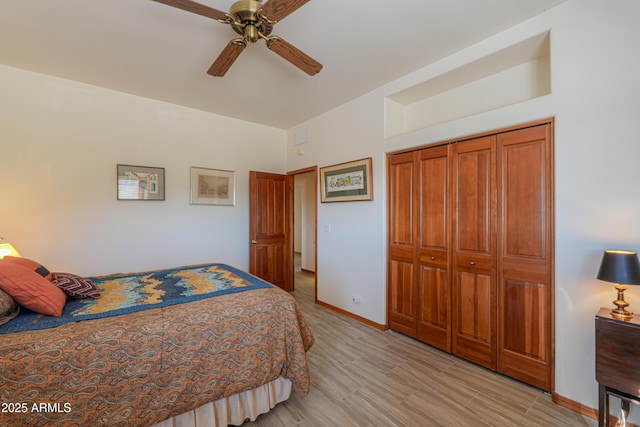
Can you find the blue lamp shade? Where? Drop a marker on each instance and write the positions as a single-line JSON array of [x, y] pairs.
[[620, 266]]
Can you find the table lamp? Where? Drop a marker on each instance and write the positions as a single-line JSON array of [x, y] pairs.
[[621, 267], [7, 249]]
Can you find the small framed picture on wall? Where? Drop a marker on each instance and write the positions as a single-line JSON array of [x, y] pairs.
[[140, 183], [213, 187], [346, 182]]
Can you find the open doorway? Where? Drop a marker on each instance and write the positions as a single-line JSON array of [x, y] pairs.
[[305, 230]]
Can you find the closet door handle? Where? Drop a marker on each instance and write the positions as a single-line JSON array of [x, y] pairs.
[[254, 242]]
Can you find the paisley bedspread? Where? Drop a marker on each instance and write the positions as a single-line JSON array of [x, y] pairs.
[[140, 368]]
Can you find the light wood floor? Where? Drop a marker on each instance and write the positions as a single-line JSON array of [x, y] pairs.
[[365, 377]]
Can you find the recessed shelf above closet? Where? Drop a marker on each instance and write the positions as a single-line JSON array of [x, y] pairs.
[[515, 74]]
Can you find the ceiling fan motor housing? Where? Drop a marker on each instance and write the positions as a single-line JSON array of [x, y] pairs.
[[246, 10], [249, 22]]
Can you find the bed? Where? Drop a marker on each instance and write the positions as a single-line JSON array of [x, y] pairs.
[[207, 344]]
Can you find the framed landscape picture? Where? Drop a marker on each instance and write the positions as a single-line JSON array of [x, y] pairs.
[[140, 183], [213, 187], [346, 182]]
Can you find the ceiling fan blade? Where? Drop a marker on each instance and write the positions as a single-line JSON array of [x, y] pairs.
[[277, 10], [294, 55], [227, 57], [191, 6]]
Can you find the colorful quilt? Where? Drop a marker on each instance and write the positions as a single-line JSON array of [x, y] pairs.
[[143, 367], [128, 293]]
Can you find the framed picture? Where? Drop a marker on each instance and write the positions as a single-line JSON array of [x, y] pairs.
[[140, 183], [346, 182], [213, 187]]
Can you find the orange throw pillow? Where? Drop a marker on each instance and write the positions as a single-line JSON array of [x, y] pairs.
[[31, 265], [31, 290]]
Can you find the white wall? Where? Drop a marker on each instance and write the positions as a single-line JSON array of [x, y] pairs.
[[60, 142], [596, 102], [297, 215], [597, 94], [350, 234], [307, 183], [304, 223]]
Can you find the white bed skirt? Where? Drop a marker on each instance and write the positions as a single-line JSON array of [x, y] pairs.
[[235, 409]]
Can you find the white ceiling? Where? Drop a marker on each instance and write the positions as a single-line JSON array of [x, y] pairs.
[[156, 51]]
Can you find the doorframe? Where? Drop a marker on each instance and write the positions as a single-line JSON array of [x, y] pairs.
[[290, 225]]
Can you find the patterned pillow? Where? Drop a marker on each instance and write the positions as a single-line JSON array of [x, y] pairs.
[[9, 308], [76, 286]]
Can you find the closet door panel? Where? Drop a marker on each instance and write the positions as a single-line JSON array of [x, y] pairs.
[[525, 246], [434, 305], [401, 201], [474, 251], [523, 198], [526, 310], [473, 200], [433, 320], [402, 313], [475, 333], [474, 304], [433, 199]]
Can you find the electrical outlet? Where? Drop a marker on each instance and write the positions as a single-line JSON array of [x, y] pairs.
[[355, 299]]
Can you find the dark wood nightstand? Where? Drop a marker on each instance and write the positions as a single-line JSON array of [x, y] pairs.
[[617, 361]]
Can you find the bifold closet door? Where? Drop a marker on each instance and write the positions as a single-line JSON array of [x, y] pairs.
[[470, 264], [525, 250], [419, 297], [474, 251], [402, 210]]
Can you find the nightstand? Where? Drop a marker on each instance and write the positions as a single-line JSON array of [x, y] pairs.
[[617, 361]]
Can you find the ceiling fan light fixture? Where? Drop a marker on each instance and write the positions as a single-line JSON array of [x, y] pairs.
[[251, 33]]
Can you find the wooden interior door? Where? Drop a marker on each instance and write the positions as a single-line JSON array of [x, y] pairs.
[[270, 249], [402, 211], [474, 251], [525, 250], [434, 293]]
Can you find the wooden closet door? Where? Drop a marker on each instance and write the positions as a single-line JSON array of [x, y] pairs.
[[402, 214], [525, 255], [434, 294], [474, 251]]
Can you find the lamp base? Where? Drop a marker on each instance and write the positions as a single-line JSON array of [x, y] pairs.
[[620, 313]]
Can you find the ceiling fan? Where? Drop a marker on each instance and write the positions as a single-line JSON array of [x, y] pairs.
[[253, 21]]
